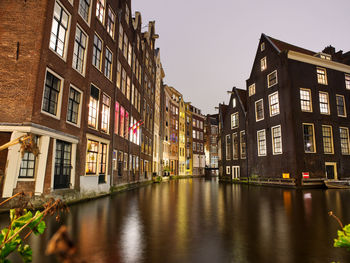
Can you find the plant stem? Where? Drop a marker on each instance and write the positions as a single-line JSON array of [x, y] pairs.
[[330, 213], [8, 199]]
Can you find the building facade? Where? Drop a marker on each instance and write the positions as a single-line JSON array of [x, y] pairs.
[[211, 133], [198, 141]]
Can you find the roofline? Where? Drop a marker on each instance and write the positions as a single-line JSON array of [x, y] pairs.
[[271, 42]]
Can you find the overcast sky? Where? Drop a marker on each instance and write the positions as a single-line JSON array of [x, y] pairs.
[[207, 46]]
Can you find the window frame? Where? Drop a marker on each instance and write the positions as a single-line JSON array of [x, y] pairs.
[[256, 112], [243, 144], [235, 147], [347, 81], [88, 13], [313, 137], [111, 34], [319, 74], [301, 100], [251, 89], [97, 108], [260, 153], [344, 105], [101, 52], [110, 77], [60, 95], [98, 11], [348, 140], [273, 139], [227, 146], [323, 103], [235, 120], [78, 124], [263, 64], [331, 139], [269, 85], [271, 105], [107, 107], [83, 72]]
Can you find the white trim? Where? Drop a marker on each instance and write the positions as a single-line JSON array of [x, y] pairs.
[[310, 95], [256, 115], [257, 136], [101, 55], [60, 95], [85, 53], [268, 79], [263, 64], [53, 156], [335, 169], [98, 108], [89, 15], [278, 102], [273, 143], [318, 61], [80, 106], [41, 164], [338, 95]]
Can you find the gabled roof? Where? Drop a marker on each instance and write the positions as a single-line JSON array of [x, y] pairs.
[[282, 46]]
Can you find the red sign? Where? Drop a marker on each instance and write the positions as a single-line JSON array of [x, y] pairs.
[[306, 175]]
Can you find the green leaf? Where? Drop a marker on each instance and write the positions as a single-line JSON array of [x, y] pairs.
[[37, 226], [12, 214], [21, 221], [7, 249], [26, 253]]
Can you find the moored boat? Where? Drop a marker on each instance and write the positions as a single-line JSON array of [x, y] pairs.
[[337, 184]]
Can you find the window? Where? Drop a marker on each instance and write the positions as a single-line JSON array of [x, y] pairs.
[[128, 88], [93, 107], [228, 170], [259, 110], [127, 14], [251, 89], [262, 46], [129, 54], [235, 172], [305, 100], [274, 104], [344, 140], [121, 33], [261, 135], [234, 120], [119, 71], [121, 124], [110, 22], [125, 46], [59, 30], [108, 64], [234, 103], [106, 105], [327, 139], [235, 146], [84, 9], [263, 64], [28, 163], [324, 103], [51, 95], [341, 106], [79, 50], [276, 140], [347, 81], [97, 52], [91, 157], [228, 147], [243, 145], [272, 79], [123, 83], [309, 138], [73, 105], [100, 10], [321, 76], [194, 134], [103, 163], [126, 128], [116, 118]]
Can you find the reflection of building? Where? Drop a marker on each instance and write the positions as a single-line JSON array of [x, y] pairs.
[[182, 136], [211, 133], [198, 141], [298, 128]]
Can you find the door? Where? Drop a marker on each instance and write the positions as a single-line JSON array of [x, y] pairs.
[[63, 165], [331, 171]]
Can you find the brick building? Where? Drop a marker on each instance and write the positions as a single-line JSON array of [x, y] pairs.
[[198, 162], [211, 133]]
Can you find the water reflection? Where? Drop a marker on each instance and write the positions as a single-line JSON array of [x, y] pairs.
[[204, 221]]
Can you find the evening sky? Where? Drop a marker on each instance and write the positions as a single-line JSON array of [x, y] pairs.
[[207, 46]]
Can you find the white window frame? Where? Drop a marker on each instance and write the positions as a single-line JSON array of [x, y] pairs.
[[235, 134], [348, 140], [111, 69], [78, 124], [310, 101], [319, 80], [256, 112], [251, 89], [273, 138], [331, 139], [98, 107], [64, 57], [260, 153], [89, 12], [234, 120], [263, 64], [314, 137], [109, 112], [328, 107], [347, 81], [101, 54], [85, 53], [236, 172], [268, 79], [228, 170], [104, 11], [100, 141], [343, 98], [59, 100], [270, 105]]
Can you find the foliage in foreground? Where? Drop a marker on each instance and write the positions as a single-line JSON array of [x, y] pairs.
[[343, 240]]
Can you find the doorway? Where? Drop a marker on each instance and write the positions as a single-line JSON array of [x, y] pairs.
[[63, 165], [331, 171]]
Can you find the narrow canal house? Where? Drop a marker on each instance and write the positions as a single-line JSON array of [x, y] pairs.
[[211, 133], [198, 162], [189, 140], [61, 77], [298, 123], [232, 118], [165, 128]]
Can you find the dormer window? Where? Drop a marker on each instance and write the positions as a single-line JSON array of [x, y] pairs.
[[234, 102], [324, 56], [263, 64], [262, 46]]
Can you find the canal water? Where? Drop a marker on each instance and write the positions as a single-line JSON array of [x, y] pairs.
[[203, 221]]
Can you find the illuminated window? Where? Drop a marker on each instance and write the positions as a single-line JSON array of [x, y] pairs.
[[234, 120], [123, 82], [261, 136], [116, 118], [263, 64], [128, 88], [91, 157], [274, 104], [100, 10], [228, 147], [235, 146], [97, 52], [344, 140], [327, 139], [121, 123], [106, 105], [126, 128], [324, 103], [322, 76], [347, 81], [305, 100], [243, 145], [251, 89], [129, 54], [119, 73], [259, 110], [125, 46], [309, 138], [93, 107], [103, 163], [59, 30], [276, 140], [110, 22], [272, 79], [121, 33], [341, 109]]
